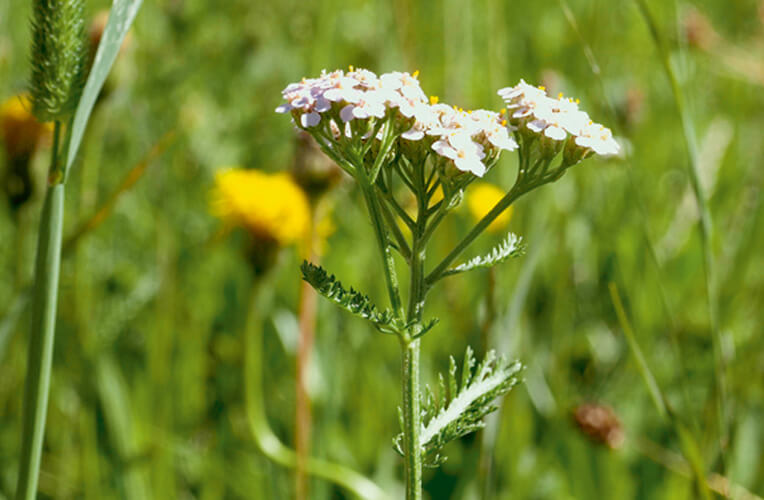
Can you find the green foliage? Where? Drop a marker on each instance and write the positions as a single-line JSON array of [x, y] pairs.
[[213, 73], [121, 17], [349, 300], [461, 403], [58, 58], [512, 246]]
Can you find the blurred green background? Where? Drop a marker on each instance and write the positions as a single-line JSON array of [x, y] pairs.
[[147, 394]]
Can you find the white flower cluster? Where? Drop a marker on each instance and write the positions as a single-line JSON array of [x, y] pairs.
[[359, 94], [530, 107], [460, 136]]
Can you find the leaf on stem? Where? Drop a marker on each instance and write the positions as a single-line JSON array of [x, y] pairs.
[[511, 246], [121, 17], [350, 300], [463, 402]]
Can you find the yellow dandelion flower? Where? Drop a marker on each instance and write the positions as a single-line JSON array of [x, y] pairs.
[[481, 198], [271, 206], [19, 129]]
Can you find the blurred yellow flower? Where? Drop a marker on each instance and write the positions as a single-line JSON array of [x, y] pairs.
[[271, 206], [481, 198], [19, 129]]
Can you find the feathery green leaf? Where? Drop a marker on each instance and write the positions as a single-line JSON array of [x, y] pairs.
[[462, 403], [350, 300], [511, 246]]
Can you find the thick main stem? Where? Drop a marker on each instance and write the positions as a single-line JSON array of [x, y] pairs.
[[411, 419], [40, 357]]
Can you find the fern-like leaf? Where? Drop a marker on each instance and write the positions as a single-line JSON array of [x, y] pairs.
[[511, 246], [463, 402], [350, 300]]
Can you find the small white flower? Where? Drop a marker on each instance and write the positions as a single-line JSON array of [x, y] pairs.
[[343, 90], [492, 127], [406, 84], [598, 138], [369, 105], [465, 153], [514, 96]]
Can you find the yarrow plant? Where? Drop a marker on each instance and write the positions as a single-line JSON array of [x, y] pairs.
[[394, 141]]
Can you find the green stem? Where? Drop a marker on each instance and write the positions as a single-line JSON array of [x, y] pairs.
[[411, 419], [40, 358], [267, 442], [391, 277], [704, 227], [517, 190], [688, 443], [412, 416]]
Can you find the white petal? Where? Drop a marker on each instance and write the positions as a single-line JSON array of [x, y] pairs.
[[444, 149], [555, 132], [346, 113], [470, 164], [310, 119], [413, 134]]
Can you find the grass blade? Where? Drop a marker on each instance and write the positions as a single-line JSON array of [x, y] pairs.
[[689, 444], [704, 225], [121, 17]]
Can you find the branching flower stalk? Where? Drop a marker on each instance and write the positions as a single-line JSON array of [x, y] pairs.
[[386, 134]]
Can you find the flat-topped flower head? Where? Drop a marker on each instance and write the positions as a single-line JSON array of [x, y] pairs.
[[556, 122], [466, 138], [358, 94]]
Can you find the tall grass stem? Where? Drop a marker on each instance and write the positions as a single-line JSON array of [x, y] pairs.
[[704, 225], [689, 444], [40, 356]]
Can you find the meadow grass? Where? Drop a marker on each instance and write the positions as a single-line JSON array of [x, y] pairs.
[[148, 392]]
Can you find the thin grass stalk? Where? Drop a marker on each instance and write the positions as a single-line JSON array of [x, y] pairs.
[[40, 356], [704, 226], [678, 465], [265, 439], [688, 443], [307, 327], [103, 211]]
